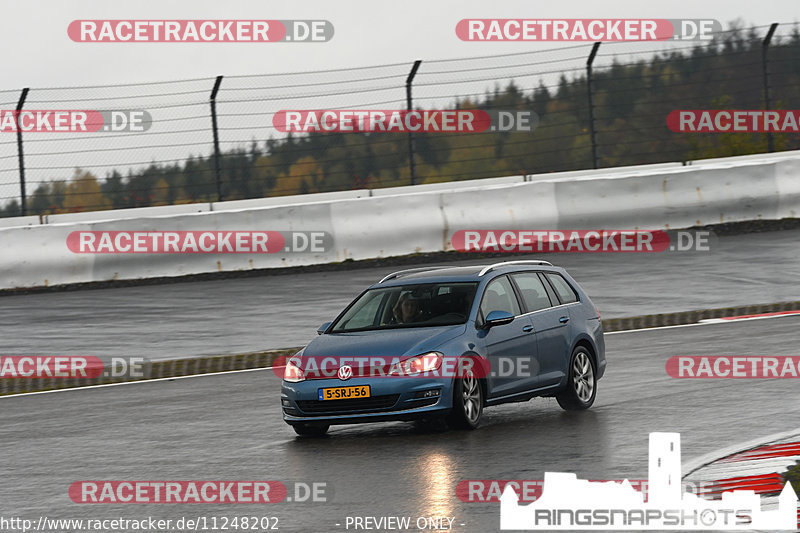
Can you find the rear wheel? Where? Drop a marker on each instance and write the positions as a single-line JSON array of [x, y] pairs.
[[581, 386], [467, 401], [308, 430]]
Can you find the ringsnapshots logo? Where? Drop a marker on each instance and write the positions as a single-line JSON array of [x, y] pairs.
[[582, 241], [74, 121], [608, 30], [568, 503], [405, 121], [199, 31]]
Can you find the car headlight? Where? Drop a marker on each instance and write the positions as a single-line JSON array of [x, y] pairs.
[[292, 372], [427, 362]]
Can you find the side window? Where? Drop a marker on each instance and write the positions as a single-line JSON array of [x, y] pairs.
[[533, 292], [565, 292], [499, 296]]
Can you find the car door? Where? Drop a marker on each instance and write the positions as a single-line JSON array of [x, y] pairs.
[[550, 325], [557, 342], [510, 347]]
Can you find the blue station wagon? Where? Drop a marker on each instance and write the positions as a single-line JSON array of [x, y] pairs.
[[437, 345]]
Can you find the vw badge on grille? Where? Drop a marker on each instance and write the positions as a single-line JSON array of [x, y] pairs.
[[345, 373]]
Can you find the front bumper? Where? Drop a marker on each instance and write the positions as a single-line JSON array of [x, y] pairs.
[[390, 399]]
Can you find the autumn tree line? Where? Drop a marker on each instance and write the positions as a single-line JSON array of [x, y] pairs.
[[632, 101]]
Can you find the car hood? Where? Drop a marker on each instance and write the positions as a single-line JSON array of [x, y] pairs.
[[387, 343]]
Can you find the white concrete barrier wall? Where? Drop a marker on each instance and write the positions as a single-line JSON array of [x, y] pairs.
[[19, 221], [531, 205], [419, 220], [35, 256], [671, 199], [386, 226]]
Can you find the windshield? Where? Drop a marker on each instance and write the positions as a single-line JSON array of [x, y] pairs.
[[419, 305]]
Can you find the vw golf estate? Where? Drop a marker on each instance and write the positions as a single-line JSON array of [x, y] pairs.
[[437, 345]]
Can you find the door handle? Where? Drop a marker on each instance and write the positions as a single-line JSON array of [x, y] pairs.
[[564, 319], [527, 329]]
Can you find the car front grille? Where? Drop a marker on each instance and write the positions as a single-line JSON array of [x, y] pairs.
[[350, 406]]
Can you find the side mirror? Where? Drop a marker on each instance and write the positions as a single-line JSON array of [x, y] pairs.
[[498, 318], [323, 327]]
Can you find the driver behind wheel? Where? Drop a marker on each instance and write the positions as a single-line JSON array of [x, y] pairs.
[[407, 309]]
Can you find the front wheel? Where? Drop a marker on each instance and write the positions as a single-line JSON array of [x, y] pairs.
[[467, 401], [308, 430], [581, 386]]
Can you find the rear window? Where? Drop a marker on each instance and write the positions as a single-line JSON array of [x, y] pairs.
[[564, 290]]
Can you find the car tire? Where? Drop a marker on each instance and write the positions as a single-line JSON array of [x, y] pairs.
[[467, 401], [309, 430], [581, 388]]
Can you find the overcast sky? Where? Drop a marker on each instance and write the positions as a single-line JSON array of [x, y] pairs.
[[38, 53]]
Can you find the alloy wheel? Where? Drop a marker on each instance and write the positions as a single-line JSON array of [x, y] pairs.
[[471, 395], [583, 376]]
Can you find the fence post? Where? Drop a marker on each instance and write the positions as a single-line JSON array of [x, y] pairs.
[[765, 71], [217, 170], [20, 154], [409, 106], [590, 88]]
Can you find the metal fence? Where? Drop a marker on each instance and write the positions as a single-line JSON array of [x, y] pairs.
[[599, 105]]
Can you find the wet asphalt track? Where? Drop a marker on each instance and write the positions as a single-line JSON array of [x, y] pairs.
[[275, 311], [228, 427]]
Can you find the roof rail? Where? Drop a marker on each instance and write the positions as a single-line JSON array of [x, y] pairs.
[[409, 271], [521, 262]]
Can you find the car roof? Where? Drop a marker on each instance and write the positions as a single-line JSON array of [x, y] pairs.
[[434, 274]]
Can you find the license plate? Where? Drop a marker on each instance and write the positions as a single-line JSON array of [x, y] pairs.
[[344, 393]]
